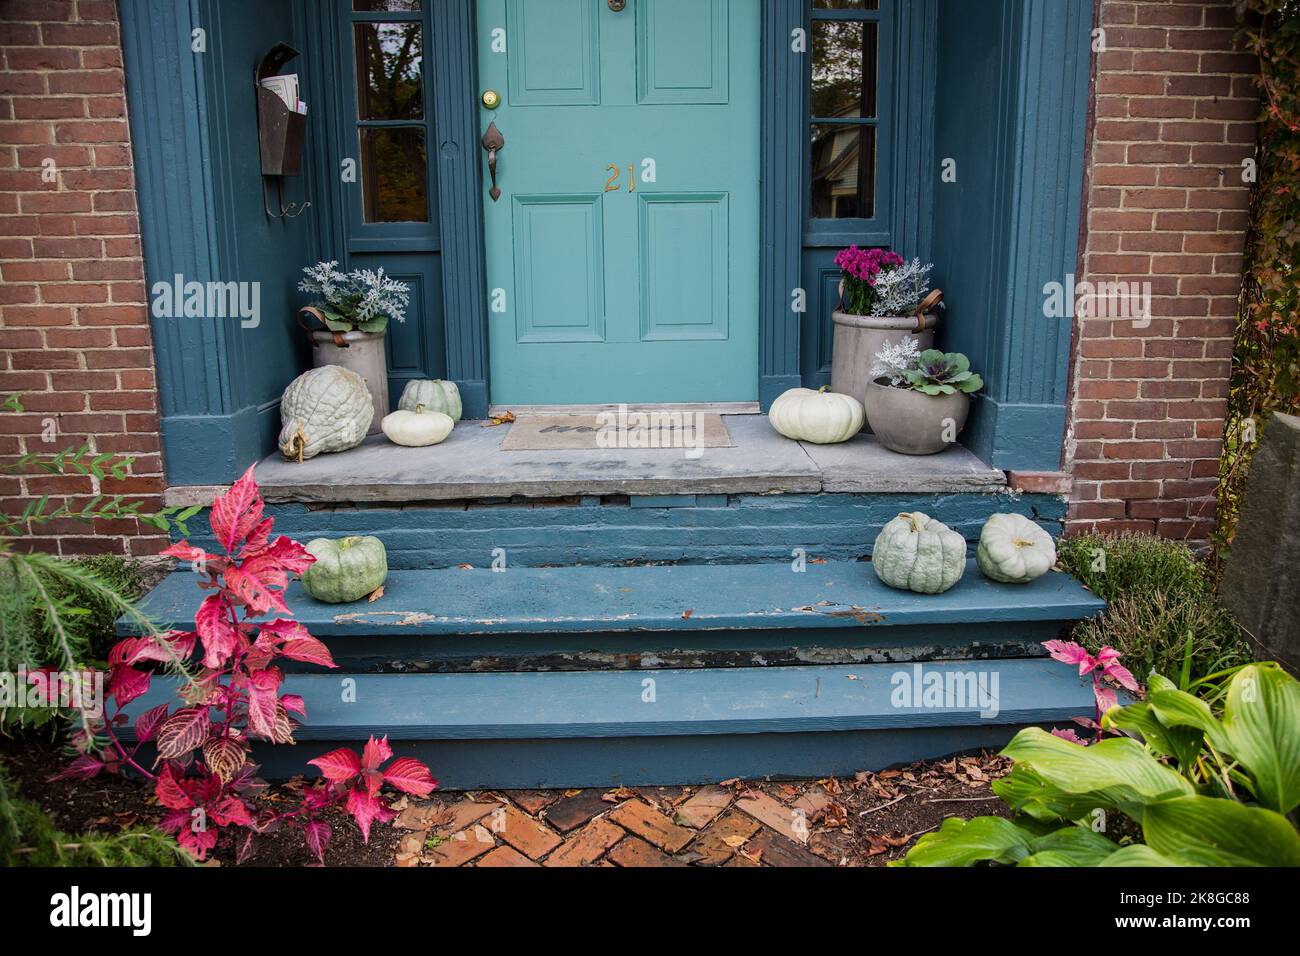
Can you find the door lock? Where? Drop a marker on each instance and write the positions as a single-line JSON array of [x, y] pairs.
[[617, 5], [491, 99]]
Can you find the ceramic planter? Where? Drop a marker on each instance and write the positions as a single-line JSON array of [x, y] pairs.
[[914, 423], [859, 337], [360, 352]]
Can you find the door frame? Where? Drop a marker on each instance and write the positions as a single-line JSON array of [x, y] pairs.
[[460, 185]]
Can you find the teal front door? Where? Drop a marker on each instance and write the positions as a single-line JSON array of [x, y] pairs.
[[622, 249]]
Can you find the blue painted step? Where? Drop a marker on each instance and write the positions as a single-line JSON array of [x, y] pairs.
[[673, 726], [683, 615]]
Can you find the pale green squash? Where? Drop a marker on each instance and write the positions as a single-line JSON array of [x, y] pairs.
[[327, 409], [1014, 550], [346, 570], [916, 553], [818, 416], [433, 395]]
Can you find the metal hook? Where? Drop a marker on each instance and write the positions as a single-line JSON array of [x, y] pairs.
[[286, 212]]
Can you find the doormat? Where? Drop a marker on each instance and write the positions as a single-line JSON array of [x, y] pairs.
[[621, 429]]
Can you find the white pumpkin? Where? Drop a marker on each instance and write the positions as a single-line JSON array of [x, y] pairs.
[[417, 428], [1014, 550], [916, 553], [821, 417], [434, 395], [324, 410]]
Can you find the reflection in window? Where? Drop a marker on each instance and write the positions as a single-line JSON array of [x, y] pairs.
[[393, 162], [389, 6], [846, 4], [390, 64], [844, 69], [843, 171]]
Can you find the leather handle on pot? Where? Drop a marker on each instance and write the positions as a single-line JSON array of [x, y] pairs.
[[929, 303], [319, 317]]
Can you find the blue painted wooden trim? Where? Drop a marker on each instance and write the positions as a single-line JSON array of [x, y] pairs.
[[581, 599], [686, 702], [460, 207], [837, 527], [781, 174]]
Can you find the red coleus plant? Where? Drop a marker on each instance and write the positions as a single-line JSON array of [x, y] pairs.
[[204, 777], [1105, 666]]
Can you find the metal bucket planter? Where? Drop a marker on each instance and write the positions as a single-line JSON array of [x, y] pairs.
[[914, 423], [360, 352]]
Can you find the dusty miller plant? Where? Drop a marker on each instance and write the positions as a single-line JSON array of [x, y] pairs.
[[363, 300]]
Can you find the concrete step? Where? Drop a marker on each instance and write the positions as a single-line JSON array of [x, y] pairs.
[[523, 730], [679, 616]]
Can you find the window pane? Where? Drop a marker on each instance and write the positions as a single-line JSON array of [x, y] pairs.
[[846, 4], [390, 71], [844, 69], [843, 172], [393, 174], [387, 6]]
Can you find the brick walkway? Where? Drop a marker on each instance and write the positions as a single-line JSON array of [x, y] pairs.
[[771, 824]]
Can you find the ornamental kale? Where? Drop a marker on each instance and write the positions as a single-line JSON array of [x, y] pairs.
[[204, 778], [880, 282], [901, 365], [363, 300]]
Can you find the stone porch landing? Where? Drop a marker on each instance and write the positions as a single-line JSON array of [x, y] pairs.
[[471, 465]]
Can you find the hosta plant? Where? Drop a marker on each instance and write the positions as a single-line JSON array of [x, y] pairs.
[[1198, 787], [203, 775]]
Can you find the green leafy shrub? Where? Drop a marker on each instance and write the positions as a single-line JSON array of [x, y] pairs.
[[29, 838], [96, 625], [1163, 616], [1203, 788]]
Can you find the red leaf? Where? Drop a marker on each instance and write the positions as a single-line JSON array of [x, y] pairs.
[[294, 704], [338, 765], [220, 636], [318, 837], [365, 809], [309, 650], [263, 696], [231, 810], [375, 752], [147, 724], [169, 791], [258, 582], [410, 776], [182, 732], [83, 768], [291, 555], [126, 684], [280, 630], [236, 513], [190, 554], [198, 844]]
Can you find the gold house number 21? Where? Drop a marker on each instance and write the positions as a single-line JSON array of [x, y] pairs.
[[615, 171]]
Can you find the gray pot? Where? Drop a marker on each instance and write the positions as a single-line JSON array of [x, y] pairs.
[[914, 423], [360, 352], [859, 337]]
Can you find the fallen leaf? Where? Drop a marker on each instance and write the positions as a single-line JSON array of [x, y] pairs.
[[465, 567], [503, 419], [622, 793], [735, 841], [572, 793], [686, 615], [376, 594], [816, 560]]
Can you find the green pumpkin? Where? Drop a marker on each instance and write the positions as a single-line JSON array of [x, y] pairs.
[[1014, 550], [431, 395], [345, 570], [916, 553]]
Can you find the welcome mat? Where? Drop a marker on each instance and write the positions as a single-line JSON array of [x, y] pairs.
[[617, 429]]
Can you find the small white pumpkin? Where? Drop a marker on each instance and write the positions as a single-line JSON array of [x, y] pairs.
[[818, 416], [327, 409], [916, 553], [434, 395], [417, 428], [1014, 550]]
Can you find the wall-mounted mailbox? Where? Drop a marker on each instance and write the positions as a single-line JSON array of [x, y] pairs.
[[281, 128]]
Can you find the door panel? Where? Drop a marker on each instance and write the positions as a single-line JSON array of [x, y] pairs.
[[622, 255], [559, 266]]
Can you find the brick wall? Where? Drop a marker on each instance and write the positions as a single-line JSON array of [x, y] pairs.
[[74, 332], [1166, 204]]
